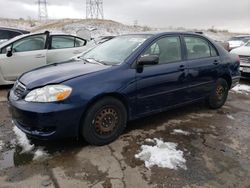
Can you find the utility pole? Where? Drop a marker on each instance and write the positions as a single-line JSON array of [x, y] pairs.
[[94, 9], [42, 10]]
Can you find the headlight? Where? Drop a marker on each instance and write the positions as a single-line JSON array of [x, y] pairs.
[[50, 93]]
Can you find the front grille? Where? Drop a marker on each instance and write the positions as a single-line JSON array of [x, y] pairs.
[[19, 89], [244, 59]]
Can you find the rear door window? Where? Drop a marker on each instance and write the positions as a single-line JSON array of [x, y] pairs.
[[199, 48], [60, 42]]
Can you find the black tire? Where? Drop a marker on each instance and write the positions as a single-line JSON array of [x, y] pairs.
[[219, 95], [104, 121]]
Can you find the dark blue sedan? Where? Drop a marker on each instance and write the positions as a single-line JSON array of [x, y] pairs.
[[128, 77]]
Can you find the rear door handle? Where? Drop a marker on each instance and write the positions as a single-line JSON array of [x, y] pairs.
[[182, 67]]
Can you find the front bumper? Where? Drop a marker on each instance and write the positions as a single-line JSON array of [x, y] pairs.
[[46, 120]]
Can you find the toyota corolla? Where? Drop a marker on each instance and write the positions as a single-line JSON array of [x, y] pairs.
[[128, 77]]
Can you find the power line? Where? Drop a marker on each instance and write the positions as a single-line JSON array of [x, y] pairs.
[[94, 9], [42, 10]]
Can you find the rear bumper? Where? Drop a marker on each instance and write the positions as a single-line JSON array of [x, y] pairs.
[[235, 81], [46, 121]]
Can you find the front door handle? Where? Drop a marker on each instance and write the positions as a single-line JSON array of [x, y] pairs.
[[76, 52], [216, 62], [39, 56]]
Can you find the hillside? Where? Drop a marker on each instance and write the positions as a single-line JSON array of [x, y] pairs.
[[102, 27], [99, 27]]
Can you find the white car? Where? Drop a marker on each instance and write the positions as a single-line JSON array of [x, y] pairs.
[[244, 54], [238, 41], [26, 52]]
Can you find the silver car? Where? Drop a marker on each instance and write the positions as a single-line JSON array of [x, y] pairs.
[[26, 52]]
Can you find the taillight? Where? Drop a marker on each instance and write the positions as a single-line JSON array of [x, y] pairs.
[[238, 59]]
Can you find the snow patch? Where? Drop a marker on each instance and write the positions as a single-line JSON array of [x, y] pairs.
[[179, 131], [1, 145], [175, 121], [230, 117], [242, 89], [149, 140], [22, 140], [163, 154], [200, 115], [40, 155]]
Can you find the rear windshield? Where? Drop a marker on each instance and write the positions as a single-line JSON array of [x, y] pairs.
[[5, 34]]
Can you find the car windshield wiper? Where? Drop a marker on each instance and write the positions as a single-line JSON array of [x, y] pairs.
[[94, 61]]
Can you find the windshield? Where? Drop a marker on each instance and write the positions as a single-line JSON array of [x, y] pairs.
[[115, 51], [248, 44], [244, 39]]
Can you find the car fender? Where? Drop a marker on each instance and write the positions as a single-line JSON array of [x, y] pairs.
[[3, 81]]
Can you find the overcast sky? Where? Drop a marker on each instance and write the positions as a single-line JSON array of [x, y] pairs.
[[223, 14]]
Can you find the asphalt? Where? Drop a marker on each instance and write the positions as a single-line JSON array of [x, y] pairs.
[[217, 152]]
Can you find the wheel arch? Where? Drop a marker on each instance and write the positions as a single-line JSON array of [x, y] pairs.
[[2, 79], [228, 79], [114, 95]]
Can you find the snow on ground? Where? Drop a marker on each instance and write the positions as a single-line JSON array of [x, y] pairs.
[[242, 89], [179, 131], [200, 115], [230, 117], [162, 154], [40, 155], [27, 147], [22, 140], [1, 145], [149, 140]]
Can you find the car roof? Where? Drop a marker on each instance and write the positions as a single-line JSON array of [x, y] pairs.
[[159, 33], [14, 29], [241, 36]]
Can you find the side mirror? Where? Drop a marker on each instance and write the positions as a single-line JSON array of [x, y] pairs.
[[9, 52], [148, 60]]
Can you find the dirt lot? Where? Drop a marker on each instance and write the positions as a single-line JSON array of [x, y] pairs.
[[217, 152]]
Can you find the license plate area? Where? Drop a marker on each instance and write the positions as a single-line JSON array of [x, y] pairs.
[[245, 69]]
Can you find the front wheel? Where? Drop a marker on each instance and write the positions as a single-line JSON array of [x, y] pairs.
[[219, 95], [104, 121]]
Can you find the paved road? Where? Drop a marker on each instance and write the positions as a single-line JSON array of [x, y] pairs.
[[217, 152]]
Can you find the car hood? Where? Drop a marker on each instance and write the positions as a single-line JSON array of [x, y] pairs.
[[58, 73], [244, 50]]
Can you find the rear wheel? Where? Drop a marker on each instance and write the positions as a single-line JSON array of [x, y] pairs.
[[104, 121], [219, 95]]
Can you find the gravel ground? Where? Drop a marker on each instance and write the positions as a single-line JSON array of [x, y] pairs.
[[216, 146]]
